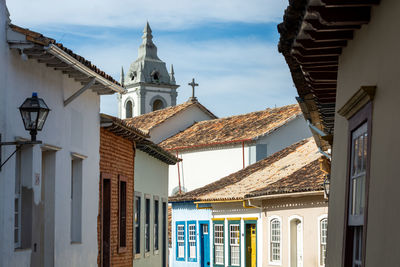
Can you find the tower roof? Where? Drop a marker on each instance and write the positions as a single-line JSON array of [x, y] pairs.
[[148, 67]]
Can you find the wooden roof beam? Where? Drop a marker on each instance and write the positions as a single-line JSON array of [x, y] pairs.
[[342, 15], [317, 59], [310, 44], [318, 26], [317, 52], [323, 76], [349, 3], [330, 36], [319, 68]]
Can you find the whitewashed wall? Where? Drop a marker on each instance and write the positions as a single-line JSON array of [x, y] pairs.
[[200, 167], [177, 123], [74, 128], [151, 177], [188, 212]]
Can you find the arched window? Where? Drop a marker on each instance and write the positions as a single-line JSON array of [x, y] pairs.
[[158, 104], [128, 109], [155, 75], [323, 232], [275, 240]]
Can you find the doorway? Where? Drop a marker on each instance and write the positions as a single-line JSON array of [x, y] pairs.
[[251, 244], [204, 244], [296, 242], [43, 215], [106, 223]]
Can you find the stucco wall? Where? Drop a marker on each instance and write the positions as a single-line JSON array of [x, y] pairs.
[[177, 123], [151, 177], [74, 128], [371, 58], [183, 212], [310, 210], [290, 133], [201, 167]]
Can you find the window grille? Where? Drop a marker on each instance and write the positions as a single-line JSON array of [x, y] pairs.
[[275, 240], [192, 241], [234, 244], [180, 236], [323, 236], [219, 243]]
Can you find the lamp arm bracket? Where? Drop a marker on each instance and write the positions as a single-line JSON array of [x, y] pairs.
[[18, 145]]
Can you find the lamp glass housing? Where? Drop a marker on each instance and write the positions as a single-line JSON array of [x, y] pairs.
[[34, 113]]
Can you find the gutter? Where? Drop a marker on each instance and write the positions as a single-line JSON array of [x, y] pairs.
[[66, 58], [299, 194]]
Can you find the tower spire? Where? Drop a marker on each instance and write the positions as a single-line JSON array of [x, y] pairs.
[[122, 78], [171, 75]]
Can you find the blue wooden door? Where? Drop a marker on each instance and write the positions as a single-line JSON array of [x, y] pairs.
[[204, 244]]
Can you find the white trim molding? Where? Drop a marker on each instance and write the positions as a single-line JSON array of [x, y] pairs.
[[300, 218]]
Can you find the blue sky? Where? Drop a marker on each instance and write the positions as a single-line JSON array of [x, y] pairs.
[[228, 46]]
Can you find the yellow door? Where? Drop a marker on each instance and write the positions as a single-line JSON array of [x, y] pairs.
[[253, 245]]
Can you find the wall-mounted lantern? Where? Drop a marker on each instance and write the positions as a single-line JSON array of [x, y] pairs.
[[34, 113]]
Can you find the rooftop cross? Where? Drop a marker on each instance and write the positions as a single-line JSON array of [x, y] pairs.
[[193, 84]]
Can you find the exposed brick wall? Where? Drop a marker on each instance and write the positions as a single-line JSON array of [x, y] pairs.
[[117, 158]]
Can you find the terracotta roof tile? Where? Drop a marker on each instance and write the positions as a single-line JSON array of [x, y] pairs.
[[150, 120], [308, 178], [257, 176], [232, 129], [121, 128]]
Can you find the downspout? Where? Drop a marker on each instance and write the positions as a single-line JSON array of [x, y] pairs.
[[243, 152], [179, 175], [320, 133], [249, 206]]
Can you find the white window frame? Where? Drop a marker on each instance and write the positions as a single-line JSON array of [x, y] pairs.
[[192, 242], [320, 218], [270, 261], [234, 245], [219, 244], [180, 239]]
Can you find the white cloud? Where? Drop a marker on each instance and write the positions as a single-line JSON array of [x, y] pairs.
[[163, 14]]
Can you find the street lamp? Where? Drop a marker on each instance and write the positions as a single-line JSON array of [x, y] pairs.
[[34, 113]]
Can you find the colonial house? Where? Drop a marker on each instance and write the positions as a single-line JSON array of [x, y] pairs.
[[132, 223], [263, 215], [211, 149], [343, 56], [48, 189]]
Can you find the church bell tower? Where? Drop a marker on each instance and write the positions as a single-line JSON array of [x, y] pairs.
[[149, 85]]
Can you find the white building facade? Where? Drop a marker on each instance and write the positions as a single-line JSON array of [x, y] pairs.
[[48, 192]]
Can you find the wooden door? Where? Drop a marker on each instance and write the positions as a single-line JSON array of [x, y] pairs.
[[251, 245], [105, 223]]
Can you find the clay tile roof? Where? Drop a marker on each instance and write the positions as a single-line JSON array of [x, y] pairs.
[[308, 178], [41, 40], [232, 129], [150, 120], [121, 128], [284, 165]]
